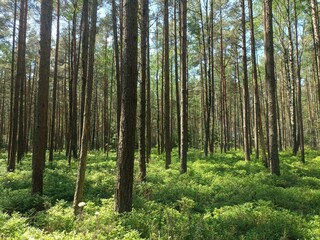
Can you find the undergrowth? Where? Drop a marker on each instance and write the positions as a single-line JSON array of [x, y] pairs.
[[220, 197]]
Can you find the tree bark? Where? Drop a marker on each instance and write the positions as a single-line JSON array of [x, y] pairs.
[[176, 75], [271, 88], [299, 101], [41, 111], [54, 91], [316, 39], [84, 60], [18, 82], [21, 127], [117, 61], [246, 112], [12, 89], [166, 86], [124, 183], [184, 89], [144, 47]]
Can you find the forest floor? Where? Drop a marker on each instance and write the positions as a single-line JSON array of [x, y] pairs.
[[220, 197]]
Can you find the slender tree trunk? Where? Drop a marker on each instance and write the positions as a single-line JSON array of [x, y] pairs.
[[54, 91], [18, 82], [105, 104], [292, 85], [12, 77], [84, 60], [206, 88], [316, 38], [167, 86], [144, 47], [157, 94], [124, 183], [176, 68], [259, 135], [271, 88], [148, 138], [212, 79], [74, 82], [184, 89], [78, 195], [299, 102], [117, 60], [21, 127], [2, 118], [41, 111], [246, 112]]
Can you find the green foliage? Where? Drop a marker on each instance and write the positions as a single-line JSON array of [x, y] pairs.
[[220, 197], [257, 220]]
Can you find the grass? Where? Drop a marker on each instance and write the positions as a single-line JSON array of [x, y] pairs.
[[220, 197]]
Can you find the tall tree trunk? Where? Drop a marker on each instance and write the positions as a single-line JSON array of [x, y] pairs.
[[271, 88], [117, 60], [246, 112], [148, 137], [54, 91], [74, 82], [259, 135], [84, 60], [18, 82], [292, 85], [176, 75], [157, 93], [184, 89], [316, 39], [211, 53], [41, 111], [124, 183], [167, 86], [207, 109], [78, 195], [2, 107], [105, 104], [12, 84], [144, 47], [21, 127], [299, 102]]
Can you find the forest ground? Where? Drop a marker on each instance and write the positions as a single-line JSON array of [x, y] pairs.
[[220, 197]]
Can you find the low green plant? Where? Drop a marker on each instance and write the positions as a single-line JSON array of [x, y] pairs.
[[220, 197]]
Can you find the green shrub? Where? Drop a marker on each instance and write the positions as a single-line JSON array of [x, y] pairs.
[[11, 226], [255, 221], [60, 217]]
